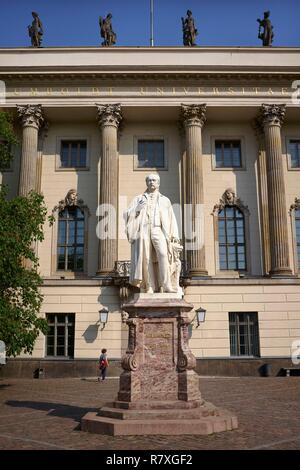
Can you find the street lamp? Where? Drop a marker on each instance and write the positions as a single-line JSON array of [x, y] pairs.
[[200, 316], [103, 316]]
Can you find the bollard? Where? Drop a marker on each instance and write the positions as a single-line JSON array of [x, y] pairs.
[[267, 369]]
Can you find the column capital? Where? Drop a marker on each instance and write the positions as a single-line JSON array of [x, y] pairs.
[[109, 115], [193, 114], [272, 114], [31, 115]]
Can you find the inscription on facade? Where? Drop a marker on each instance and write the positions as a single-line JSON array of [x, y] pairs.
[[144, 91]]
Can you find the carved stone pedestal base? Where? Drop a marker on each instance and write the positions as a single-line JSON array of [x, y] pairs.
[[159, 389]]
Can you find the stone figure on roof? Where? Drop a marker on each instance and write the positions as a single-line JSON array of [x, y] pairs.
[[267, 34], [36, 31], [189, 30], [106, 31]]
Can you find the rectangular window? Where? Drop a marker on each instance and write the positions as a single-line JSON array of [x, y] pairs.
[[244, 335], [61, 334], [294, 148], [151, 153], [73, 154], [228, 154]]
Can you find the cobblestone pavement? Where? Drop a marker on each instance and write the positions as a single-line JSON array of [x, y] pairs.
[[46, 413]]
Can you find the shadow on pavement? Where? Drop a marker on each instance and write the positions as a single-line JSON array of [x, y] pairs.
[[54, 409]]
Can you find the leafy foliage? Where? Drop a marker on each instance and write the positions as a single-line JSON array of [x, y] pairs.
[[21, 225], [7, 139]]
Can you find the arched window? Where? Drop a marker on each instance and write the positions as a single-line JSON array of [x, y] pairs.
[[232, 252], [70, 235], [232, 245], [295, 219], [70, 241]]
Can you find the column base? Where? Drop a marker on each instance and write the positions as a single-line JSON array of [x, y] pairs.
[[204, 420], [281, 272], [197, 273], [105, 273]]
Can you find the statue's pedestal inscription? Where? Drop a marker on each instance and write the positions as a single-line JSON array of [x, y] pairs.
[[159, 389]]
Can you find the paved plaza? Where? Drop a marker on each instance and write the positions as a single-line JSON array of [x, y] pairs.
[[45, 414]]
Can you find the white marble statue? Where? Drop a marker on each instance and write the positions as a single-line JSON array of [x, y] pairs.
[[152, 230]]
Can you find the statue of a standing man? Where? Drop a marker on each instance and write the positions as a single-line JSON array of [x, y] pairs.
[[152, 230], [106, 31], [267, 35], [189, 30], [36, 31]]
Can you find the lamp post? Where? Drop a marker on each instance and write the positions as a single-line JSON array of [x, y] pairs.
[[200, 316], [103, 317]]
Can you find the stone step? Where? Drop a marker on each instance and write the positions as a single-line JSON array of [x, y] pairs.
[[93, 423], [115, 413]]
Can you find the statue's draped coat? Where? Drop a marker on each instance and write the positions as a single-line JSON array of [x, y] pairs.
[[137, 230]]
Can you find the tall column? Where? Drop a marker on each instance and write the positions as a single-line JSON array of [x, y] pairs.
[[32, 120], [263, 196], [272, 116], [193, 118], [109, 117]]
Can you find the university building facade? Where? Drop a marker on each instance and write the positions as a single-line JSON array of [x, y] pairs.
[[221, 126]]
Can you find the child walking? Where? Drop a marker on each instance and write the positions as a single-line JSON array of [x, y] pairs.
[[103, 364]]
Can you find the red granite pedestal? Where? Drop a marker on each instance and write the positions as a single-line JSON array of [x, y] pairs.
[[159, 389]]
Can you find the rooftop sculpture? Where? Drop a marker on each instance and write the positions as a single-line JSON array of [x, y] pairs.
[[189, 30], [267, 34], [36, 31], [106, 31]]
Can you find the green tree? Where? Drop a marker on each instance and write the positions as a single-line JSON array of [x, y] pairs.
[[7, 139], [21, 226]]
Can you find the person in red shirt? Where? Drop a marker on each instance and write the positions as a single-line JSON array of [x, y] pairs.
[[103, 364]]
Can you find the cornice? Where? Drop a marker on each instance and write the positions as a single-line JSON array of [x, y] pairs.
[[109, 60], [175, 76], [151, 49]]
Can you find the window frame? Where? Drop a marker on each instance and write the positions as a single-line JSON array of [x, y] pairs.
[[295, 207], [67, 323], [136, 140], [236, 324], [296, 238], [58, 274], [288, 140], [72, 138], [215, 213], [226, 138], [235, 244], [66, 245]]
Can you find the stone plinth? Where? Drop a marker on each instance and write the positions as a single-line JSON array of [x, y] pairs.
[[159, 389]]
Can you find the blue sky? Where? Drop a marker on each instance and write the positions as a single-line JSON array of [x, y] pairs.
[[219, 22]]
